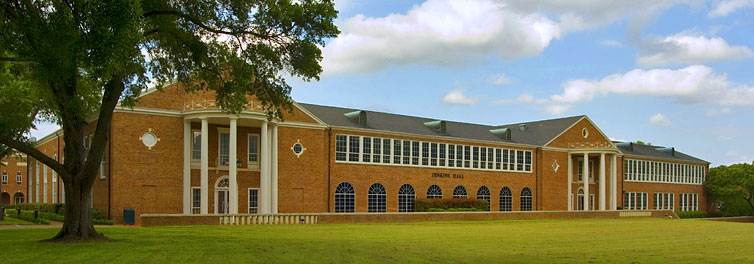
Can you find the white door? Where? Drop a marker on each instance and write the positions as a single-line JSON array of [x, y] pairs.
[[222, 201]]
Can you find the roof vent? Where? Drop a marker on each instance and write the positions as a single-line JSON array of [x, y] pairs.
[[437, 126], [669, 151], [522, 127], [503, 133], [358, 117]]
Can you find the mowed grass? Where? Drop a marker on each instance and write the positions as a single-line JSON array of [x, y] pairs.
[[581, 240], [14, 221]]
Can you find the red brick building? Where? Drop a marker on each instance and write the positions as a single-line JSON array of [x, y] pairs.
[[13, 173], [177, 153]]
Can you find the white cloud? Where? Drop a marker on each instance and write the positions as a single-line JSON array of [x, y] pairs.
[[610, 43], [450, 33], [557, 109], [695, 84], [660, 120], [724, 138], [499, 79], [716, 112], [457, 97], [723, 8], [688, 48], [735, 157]]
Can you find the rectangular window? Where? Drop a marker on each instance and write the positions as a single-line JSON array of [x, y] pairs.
[[451, 155], [580, 170], [671, 201], [102, 170], [397, 151], [366, 149], [196, 146], [512, 159], [441, 153], [425, 153], [632, 201], [415, 153], [253, 146], [5, 178], [625, 169], [340, 147], [467, 156], [376, 150], [475, 157], [483, 158], [626, 201], [505, 159], [253, 200], [353, 148], [224, 158], [527, 161], [459, 156], [406, 152], [490, 158], [196, 200], [497, 158], [519, 160], [386, 151], [591, 171], [432, 154], [19, 178]]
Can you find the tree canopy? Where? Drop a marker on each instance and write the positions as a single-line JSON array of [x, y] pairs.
[[734, 182], [70, 61]]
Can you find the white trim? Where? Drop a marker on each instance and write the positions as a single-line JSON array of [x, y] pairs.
[[148, 111], [574, 124], [217, 192], [248, 207], [426, 137], [255, 164], [306, 111]]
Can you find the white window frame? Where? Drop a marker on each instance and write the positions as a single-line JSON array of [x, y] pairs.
[[220, 132], [248, 200], [252, 164], [196, 210], [19, 178], [195, 132], [5, 178]]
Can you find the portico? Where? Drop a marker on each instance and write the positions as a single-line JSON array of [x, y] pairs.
[[211, 148], [582, 161]]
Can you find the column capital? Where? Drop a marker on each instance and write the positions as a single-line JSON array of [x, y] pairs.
[[233, 117]]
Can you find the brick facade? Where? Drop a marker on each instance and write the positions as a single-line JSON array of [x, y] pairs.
[[150, 180]]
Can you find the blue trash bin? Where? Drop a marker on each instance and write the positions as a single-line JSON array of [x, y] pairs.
[[129, 217]]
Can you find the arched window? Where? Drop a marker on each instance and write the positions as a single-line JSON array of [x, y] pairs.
[[526, 199], [376, 198], [484, 194], [434, 191], [506, 199], [406, 196], [580, 200], [18, 198], [459, 192], [344, 198]]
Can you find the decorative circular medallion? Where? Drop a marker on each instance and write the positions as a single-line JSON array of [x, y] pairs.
[[585, 132], [298, 148], [149, 139]]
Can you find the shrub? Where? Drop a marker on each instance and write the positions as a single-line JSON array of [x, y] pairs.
[[423, 205], [691, 214], [102, 222], [27, 216], [98, 214], [56, 208]]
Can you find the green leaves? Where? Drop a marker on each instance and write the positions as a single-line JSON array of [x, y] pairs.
[[731, 182]]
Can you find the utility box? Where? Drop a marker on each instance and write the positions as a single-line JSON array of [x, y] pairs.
[[129, 217]]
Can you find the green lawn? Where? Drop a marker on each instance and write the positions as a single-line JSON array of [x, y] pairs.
[[14, 221], [608, 240]]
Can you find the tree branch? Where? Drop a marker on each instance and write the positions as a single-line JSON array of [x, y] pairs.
[[33, 152], [113, 91], [202, 25]]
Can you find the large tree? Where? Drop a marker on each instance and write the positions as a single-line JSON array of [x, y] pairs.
[[734, 182], [76, 59]]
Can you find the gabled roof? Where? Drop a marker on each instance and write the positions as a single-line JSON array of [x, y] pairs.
[[537, 132], [654, 152]]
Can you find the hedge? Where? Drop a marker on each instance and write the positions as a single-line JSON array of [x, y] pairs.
[[691, 214], [56, 217], [454, 210], [423, 205], [56, 208], [27, 216]]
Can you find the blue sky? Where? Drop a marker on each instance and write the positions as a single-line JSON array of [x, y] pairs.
[[670, 72]]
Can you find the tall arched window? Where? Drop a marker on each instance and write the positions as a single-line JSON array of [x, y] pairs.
[[344, 198], [526, 199], [376, 198], [434, 191], [506, 199], [580, 200], [460, 192], [406, 197], [484, 194]]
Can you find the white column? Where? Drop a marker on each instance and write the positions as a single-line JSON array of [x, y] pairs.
[[187, 167], [585, 170], [570, 182], [232, 167], [602, 181], [205, 168], [613, 183], [264, 170], [274, 181]]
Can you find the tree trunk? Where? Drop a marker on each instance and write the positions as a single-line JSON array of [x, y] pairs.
[[751, 204], [78, 225]]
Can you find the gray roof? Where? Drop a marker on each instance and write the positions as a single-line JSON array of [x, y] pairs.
[[654, 151], [537, 133]]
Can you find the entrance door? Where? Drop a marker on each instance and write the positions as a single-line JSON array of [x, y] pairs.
[[222, 201]]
